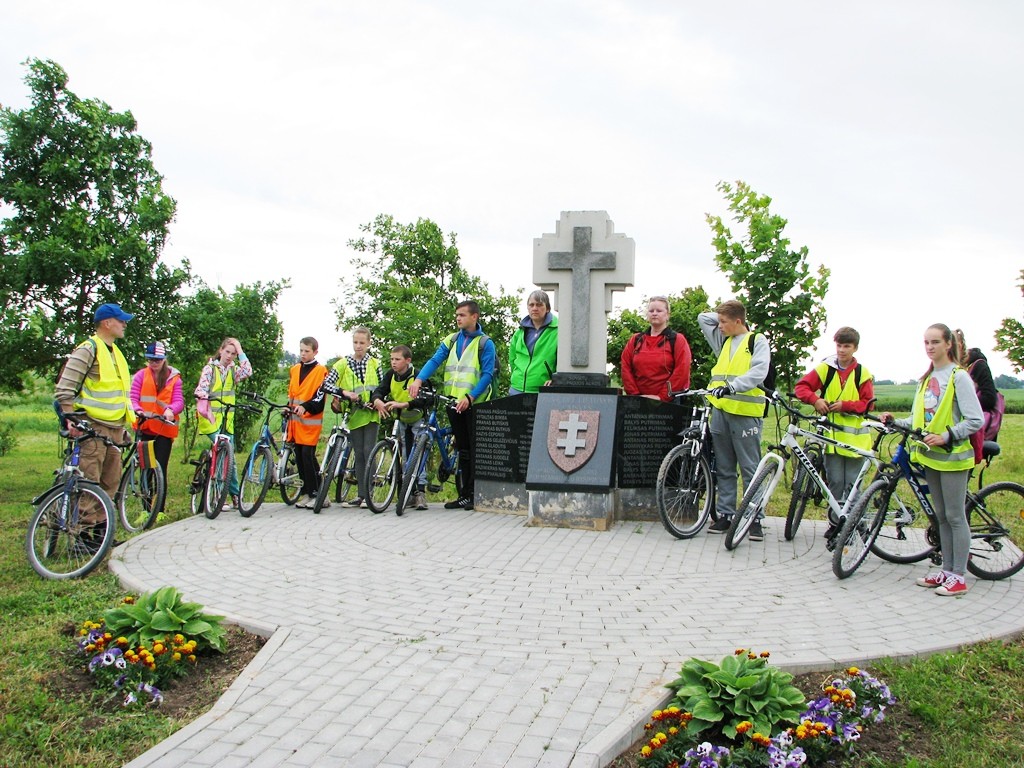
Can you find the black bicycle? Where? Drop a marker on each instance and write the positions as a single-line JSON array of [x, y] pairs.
[[685, 488]]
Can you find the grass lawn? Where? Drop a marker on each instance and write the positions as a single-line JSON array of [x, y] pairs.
[[972, 700]]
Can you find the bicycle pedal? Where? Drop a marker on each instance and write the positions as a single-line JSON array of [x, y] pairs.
[[433, 488]]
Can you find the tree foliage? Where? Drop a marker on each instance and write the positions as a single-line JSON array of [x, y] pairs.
[[405, 285], [683, 319], [85, 221], [783, 298], [209, 316], [1010, 336]]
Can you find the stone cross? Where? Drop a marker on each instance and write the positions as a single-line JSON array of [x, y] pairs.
[[572, 428], [584, 261]]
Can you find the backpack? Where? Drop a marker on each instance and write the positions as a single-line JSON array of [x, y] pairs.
[[769, 380], [994, 418], [668, 333], [832, 374]]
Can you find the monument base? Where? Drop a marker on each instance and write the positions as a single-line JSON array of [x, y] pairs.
[[572, 509], [498, 496]]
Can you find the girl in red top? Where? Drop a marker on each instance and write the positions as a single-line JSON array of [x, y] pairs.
[[658, 358]]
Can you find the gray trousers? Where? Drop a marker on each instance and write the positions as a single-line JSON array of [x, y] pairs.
[[949, 498], [841, 471], [737, 442], [363, 439]]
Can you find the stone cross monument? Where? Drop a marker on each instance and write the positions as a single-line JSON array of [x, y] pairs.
[[583, 262]]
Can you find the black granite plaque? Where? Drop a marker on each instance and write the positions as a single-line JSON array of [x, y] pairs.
[[579, 379], [503, 430], [647, 430], [573, 447]]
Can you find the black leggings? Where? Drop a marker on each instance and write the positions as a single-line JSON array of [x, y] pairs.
[[462, 431]]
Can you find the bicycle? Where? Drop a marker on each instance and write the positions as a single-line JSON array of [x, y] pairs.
[[59, 545], [384, 469], [770, 469], [268, 464], [430, 432], [143, 488], [885, 523], [339, 458], [685, 488], [215, 466]]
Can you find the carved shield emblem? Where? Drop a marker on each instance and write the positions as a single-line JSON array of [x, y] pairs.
[[572, 438]]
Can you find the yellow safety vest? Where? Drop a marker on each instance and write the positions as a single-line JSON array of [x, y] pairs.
[[347, 380], [748, 403], [962, 455], [225, 390], [400, 394], [106, 398], [462, 372], [848, 428]]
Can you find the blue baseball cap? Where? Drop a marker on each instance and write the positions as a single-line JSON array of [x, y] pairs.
[[108, 311]]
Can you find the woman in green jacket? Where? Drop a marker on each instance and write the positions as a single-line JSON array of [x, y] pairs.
[[533, 351]]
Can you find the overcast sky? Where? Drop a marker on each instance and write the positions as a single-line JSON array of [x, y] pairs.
[[887, 133]]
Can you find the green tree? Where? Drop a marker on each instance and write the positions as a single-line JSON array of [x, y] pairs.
[[1010, 336], [685, 308], [783, 298], [407, 280], [86, 221], [209, 316], [1002, 381]]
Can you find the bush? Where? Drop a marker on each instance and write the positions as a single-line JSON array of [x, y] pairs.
[[8, 439]]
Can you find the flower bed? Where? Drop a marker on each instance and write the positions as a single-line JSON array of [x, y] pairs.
[[706, 724]]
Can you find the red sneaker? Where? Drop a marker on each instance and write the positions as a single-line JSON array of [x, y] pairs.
[[955, 586], [933, 580]]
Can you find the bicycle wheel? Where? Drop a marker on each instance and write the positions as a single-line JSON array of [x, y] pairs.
[[409, 477], [57, 544], [140, 496], [683, 491], [383, 476], [804, 490], [323, 489], [217, 484], [905, 535], [451, 472], [255, 480], [197, 488], [860, 529], [754, 500], [996, 515], [289, 481], [347, 486]]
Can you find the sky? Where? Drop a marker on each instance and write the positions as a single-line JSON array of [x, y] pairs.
[[887, 134]]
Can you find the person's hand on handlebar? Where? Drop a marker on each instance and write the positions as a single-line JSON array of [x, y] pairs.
[[822, 407], [414, 388], [723, 391]]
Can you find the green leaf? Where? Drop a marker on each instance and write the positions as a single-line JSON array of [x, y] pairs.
[[706, 709], [196, 627], [163, 623]]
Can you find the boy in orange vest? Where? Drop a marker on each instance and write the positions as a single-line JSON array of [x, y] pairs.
[[307, 403]]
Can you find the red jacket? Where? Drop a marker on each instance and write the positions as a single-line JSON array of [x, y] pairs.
[[650, 369]]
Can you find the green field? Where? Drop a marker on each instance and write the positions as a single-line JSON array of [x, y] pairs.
[[895, 397], [42, 726]]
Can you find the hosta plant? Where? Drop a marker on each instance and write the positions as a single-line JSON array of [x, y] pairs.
[[744, 688], [157, 614]]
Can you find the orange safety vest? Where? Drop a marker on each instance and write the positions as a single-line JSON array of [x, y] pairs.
[[305, 430], [154, 403]]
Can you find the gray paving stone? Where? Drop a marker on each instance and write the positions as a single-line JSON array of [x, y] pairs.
[[470, 639]]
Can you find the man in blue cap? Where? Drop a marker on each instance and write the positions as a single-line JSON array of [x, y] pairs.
[[95, 385]]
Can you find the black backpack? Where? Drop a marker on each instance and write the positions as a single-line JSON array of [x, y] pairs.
[[832, 374]]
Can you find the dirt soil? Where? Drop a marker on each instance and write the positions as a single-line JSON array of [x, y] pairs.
[[185, 698], [895, 740]]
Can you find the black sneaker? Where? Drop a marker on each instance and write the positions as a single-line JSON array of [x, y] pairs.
[[721, 525], [756, 532], [466, 503], [456, 504]]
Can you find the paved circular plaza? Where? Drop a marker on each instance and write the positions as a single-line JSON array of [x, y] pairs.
[[452, 638]]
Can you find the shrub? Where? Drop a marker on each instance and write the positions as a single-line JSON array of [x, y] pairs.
[[743, 688], [161, 613]]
